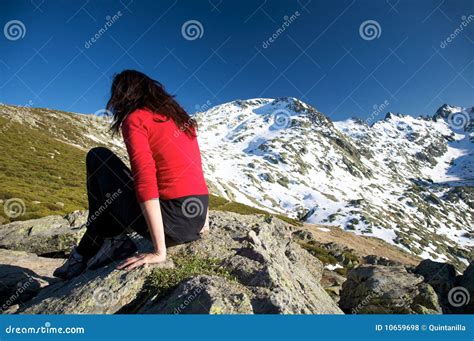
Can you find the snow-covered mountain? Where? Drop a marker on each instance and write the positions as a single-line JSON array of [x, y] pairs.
[[406, 180]]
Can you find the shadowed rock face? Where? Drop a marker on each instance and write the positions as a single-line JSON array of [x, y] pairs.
[[52, 235], [441, 276], [268, 273], [22, 276], [379, 289], [466, 281]]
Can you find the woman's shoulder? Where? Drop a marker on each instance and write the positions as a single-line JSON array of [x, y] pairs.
[[138, 116], [146, 114], [139, 113], [145, 119]]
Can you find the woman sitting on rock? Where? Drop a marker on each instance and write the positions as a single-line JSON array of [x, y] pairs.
[[164, 197]]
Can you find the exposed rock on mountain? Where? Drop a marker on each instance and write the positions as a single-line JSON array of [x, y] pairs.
[[52, 235], [246, 264], [466, 281], [22, 275], [441, 276], [387, 290], [203, 295], [260, 269], [104, 291]]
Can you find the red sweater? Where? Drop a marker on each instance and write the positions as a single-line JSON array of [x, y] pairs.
[[166, 162]]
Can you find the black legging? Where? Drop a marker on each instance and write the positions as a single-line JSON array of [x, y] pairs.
[[113, 207]]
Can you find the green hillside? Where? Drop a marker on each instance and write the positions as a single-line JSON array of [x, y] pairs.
[[46, 174]]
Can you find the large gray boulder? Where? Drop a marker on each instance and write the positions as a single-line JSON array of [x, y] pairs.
[[441, 276], [260, 253], [378, 289], [203, 295], [461, 297], [52, 235], [22, 276]]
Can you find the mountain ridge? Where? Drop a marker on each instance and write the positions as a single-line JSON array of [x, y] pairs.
[[286, 157]]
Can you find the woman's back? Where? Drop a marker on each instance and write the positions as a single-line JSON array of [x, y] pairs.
[[166, 161]]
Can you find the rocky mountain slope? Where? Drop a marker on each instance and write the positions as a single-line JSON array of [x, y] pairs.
[[405, 180]]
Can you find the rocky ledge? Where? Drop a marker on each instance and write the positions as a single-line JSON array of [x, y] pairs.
[[246, 264]]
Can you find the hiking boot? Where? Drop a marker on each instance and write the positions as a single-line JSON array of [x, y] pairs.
[[114, 249], [74, 266]]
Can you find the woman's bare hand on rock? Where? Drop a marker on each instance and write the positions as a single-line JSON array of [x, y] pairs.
[[141, 259]]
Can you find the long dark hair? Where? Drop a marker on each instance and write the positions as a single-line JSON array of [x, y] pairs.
[[133, 90]]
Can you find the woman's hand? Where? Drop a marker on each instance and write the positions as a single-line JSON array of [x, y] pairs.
[[142, 259]]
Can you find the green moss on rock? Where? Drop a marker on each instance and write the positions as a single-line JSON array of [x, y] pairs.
[[161, 280]]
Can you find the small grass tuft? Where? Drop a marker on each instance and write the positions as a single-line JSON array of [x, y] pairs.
[[161, 281], [320, 253]]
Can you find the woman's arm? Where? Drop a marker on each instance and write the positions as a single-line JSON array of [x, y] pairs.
[[135, 134], [152, 212]]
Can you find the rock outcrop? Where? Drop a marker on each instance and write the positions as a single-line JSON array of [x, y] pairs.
[[22, 276], [267, 273], [203, 295], [246, 264], [259, 252], [104, 291], [52, 235], [441, 276], [378, 289], [462, 296]]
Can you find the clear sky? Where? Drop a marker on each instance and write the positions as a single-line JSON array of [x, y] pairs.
[[321, 56]]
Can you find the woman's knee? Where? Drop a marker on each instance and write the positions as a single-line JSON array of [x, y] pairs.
[[98, 155]]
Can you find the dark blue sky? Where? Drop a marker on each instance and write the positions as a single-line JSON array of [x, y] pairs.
[[320, 57]]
